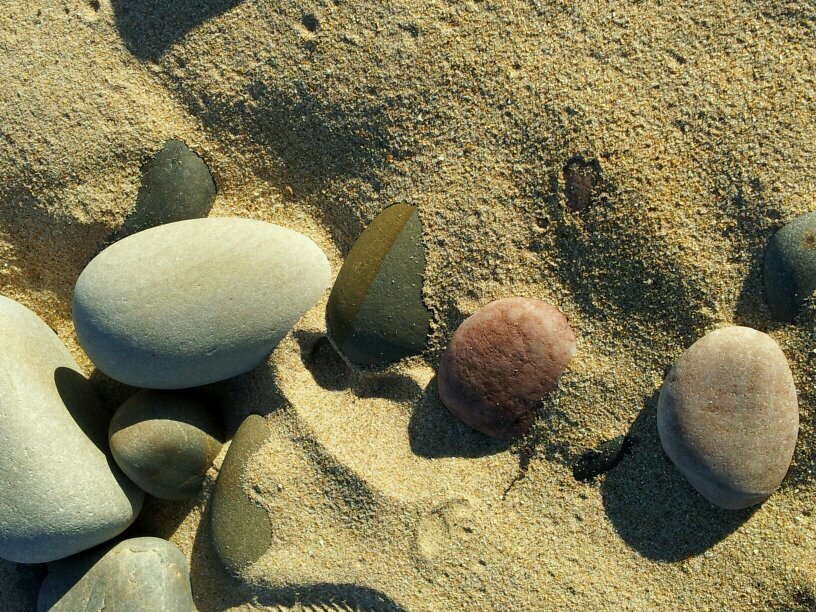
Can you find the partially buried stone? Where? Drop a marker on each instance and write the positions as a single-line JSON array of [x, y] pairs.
[[136, 575], [790, 267], [375, 313], [728, 416], [502, 361], [60, 491], [580, 178], [176, 185], [241, 531], [193, 302], [165, 441]]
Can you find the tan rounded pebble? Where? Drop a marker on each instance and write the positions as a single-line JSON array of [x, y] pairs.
[[728, 416], [502, 361]]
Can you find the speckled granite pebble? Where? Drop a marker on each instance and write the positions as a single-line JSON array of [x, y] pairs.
[[136, 575], [502, 361], [60, 490], [728, 416]]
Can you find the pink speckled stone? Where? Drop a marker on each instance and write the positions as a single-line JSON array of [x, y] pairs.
[[502, 361], [728, 416]]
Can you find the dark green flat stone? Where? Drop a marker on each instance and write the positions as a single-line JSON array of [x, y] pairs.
[[375, 313], [176, 185], [790, 267], [241, 531]]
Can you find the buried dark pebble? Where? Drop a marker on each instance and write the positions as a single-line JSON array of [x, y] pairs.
[[790, 267], [595, 462], [176, 185], [581, 177]]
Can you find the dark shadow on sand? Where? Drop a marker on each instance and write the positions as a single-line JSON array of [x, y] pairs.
[[434, 432], [654, 508], [150, 27], [215, 590], [49, 249]]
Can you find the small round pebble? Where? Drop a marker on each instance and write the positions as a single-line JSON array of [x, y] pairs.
[[136, 575], [502, 361], [728, 416], [165, 442], [790, 267]]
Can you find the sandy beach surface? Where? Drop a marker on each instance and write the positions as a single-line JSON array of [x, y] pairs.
[[316, 115]]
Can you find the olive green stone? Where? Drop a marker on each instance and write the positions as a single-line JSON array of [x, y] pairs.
[[241, 531], [790, 267], [375, 313], [176, 185], [165, 442]]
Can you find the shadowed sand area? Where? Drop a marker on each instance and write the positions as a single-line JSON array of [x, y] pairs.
[[699, 123]]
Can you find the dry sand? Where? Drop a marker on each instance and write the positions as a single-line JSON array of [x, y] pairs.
[[318, 114]]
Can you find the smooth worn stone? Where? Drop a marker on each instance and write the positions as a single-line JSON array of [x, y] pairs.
[[165, 441], [136, 575], [195, 302], [241, 531], [60, 491], [790, 267], [728, 416], [176, 185], [375, 313], [502, 361]]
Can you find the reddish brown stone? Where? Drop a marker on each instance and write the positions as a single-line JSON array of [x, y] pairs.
[[502, 361]]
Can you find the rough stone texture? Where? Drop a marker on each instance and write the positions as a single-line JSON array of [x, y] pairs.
[[728, 416], [194, 302], [176, 185], [60, 491], [165, 441], [241, 531], [136, 575], [375, 314], [790, 267], [581, 177], [502, 361]]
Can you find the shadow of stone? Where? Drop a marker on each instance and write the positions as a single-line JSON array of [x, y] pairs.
[[49, 250], [387, 385], [160, 518], [434, 432], [611, 264], [255, 392], [755, 224], [78, 397], [150, 27], [110, 392], [654, 508], [20, 585], [215, 590], [327, 367], [319, 147]]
